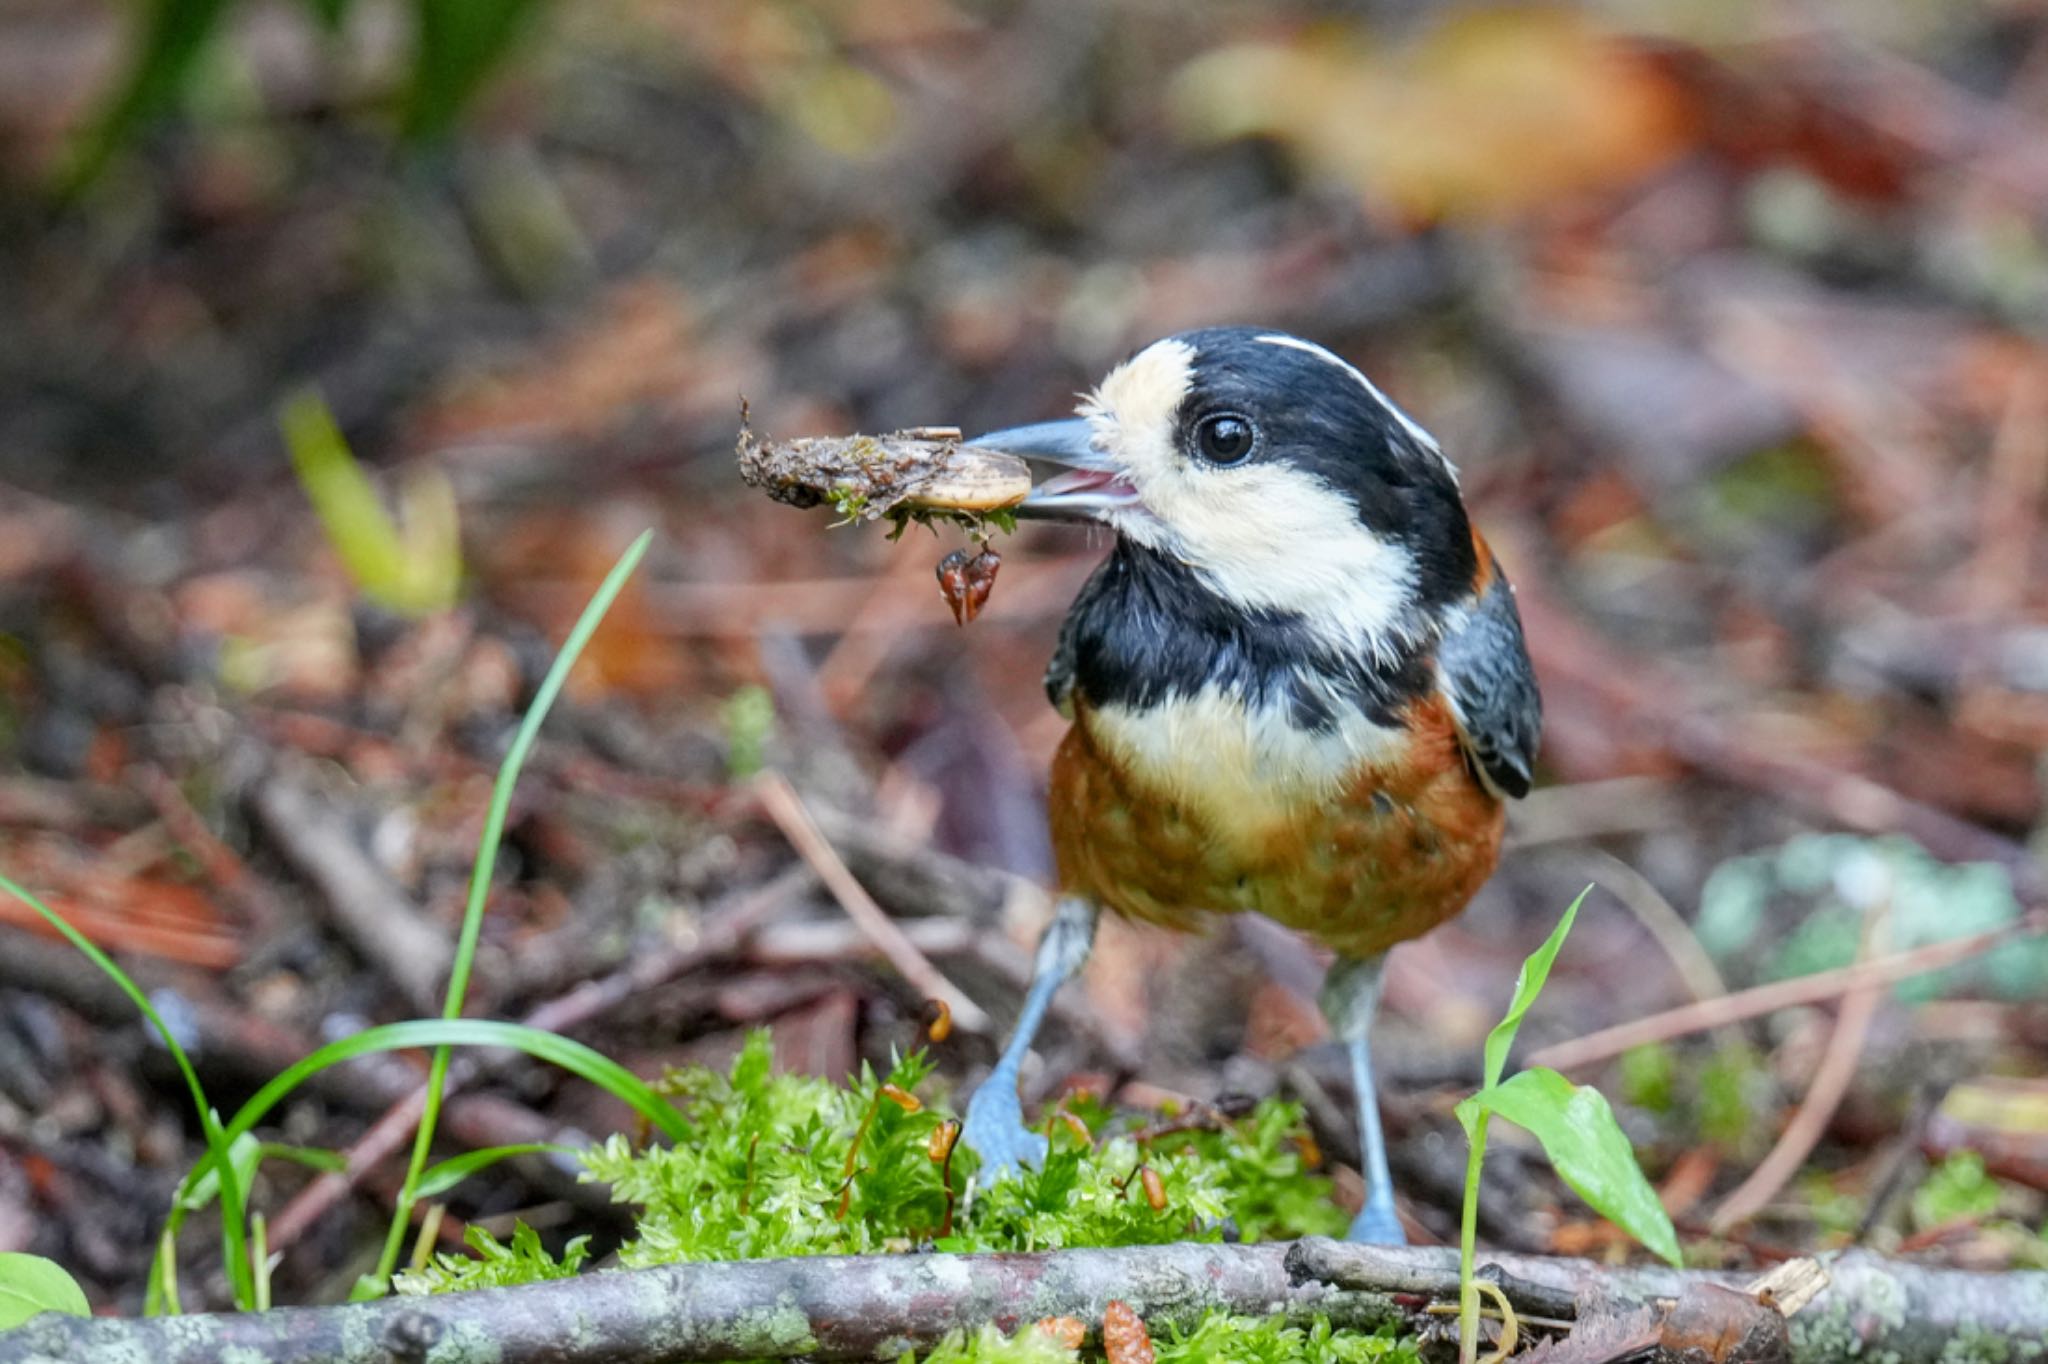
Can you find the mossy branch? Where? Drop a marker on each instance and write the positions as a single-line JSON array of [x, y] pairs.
[[869, 1306]]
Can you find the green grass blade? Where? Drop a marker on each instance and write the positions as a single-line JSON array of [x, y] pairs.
[[245, 1153], [480, 879], [232, 1196], [515, 759], [445, 1176], [168, 43], [562, 1052], [415, 570], [1529, 984], [1588, 1148], [312, 1157], [460, 43]]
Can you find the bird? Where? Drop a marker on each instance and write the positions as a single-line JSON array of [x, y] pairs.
[[1297, 684]]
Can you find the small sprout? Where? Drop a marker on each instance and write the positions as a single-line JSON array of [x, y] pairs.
[[940, 1149], [1155, 1187], [1073, 1123], [1069, 1333], [846, 1194], [938, 1024], [901, 1097], [1124, 1338], [850, 503], [747, 1189]]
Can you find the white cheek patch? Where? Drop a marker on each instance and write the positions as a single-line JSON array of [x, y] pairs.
[[1408, 423], [1275, 537], [1243, 771]]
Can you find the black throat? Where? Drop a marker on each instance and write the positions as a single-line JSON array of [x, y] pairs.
[[1146, 629]]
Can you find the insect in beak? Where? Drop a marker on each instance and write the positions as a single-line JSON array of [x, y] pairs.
[[1093, 485]]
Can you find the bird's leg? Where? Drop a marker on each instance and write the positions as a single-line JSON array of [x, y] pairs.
[[995, 1128], [1351, 997]]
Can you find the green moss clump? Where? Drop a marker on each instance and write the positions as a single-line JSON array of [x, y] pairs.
[[494, 1263], [981, 526], [783, 1165], [1247, 1340]]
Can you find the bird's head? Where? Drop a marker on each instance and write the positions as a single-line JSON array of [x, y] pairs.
[[1275, 470]]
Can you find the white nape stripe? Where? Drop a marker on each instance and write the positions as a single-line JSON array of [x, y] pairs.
[[1408, 423]]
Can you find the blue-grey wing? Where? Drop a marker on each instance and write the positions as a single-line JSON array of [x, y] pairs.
[[1483, 669]]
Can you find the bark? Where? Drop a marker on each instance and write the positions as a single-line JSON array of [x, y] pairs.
[[870, 1306]]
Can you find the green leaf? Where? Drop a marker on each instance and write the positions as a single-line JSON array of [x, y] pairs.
[[1587, 1147], [441, 1178], [29, 1285], [460, 43], [1528, 985]]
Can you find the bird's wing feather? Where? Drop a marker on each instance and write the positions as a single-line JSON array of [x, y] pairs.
[[1484, 672]]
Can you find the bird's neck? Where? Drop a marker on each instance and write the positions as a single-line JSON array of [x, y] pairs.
[[1149, 628]]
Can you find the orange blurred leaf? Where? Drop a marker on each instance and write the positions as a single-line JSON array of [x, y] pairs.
[[1489, 114]]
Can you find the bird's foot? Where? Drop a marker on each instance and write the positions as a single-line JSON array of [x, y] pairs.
[[1377, 1225], [995, 1131]]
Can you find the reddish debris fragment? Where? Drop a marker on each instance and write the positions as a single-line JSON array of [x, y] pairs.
[[1067, 1332], [1155, 1187], [966, 582], [1124, 1339]]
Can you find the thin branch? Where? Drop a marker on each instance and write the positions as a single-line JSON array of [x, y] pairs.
[[782, 804], [371, 912], [1830, 1084], [1817, 988], [864, 1307]]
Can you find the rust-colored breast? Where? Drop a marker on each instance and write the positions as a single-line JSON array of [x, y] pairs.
[[1383, 855]]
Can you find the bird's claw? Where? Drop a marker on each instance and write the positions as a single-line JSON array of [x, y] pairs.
[[995, 1131]]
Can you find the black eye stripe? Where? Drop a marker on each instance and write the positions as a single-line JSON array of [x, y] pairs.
[[1224, 438]]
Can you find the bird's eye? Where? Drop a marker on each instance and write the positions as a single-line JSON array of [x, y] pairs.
[[1225, 437]]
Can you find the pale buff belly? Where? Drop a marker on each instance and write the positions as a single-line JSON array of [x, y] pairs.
[[1361, 838]]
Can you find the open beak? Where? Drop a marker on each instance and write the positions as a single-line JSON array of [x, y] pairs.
[[1093, 485]]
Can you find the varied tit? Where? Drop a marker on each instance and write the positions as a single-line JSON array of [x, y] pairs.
[[1298, 684]]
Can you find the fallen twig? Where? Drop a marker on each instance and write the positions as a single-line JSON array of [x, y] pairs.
[[1816, 988], [786, 808], [372, 913], [1830, 1083], [861, 1307]]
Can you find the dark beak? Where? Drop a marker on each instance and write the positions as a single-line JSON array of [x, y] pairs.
[[1093, 484]]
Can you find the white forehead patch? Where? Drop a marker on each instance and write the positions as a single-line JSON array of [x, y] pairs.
[[1408, 423], [1143, 393]]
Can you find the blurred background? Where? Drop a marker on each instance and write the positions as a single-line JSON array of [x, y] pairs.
[[344, 344]]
